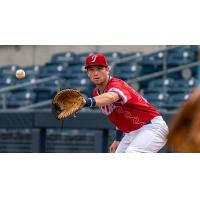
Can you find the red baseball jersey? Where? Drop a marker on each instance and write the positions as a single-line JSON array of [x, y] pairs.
[[132, 111]]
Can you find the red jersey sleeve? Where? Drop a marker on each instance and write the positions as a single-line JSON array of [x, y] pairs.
[[122, 89]]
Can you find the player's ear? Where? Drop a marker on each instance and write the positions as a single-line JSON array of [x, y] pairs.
[[108, 68]]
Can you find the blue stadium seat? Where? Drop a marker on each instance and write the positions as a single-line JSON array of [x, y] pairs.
[[150, 68], [189, 73], [153, 59], [181, 56], [194, 48], [31, 78], [112, 56], [82, 84], [157, 99], [43, 95], [51, 69], [183, 85], [33, 69], [20, 98], [160, 85], [46, 91], [75, 70], [82, 56], [7, 81], [127, 70], [131, 54], [63, 57], [8, 70], [12, 80], [175, 101]]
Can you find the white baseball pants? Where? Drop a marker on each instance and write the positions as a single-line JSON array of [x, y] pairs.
[[148, 139]]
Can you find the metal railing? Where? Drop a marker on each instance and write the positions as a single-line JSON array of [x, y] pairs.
[[164, 72], [4, 90], [23, 85]]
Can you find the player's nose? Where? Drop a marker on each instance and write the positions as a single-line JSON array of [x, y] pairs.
[[95, 72]]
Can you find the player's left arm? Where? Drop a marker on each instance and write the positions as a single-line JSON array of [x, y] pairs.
[[101, 100], [106, 98]]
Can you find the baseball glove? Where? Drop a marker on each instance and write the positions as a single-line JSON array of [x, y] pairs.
[[184, 130], [66, 102]]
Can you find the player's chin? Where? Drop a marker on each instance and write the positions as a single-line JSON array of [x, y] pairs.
[[97, 81]]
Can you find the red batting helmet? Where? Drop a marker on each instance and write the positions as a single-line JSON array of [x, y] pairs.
[[95, 60]]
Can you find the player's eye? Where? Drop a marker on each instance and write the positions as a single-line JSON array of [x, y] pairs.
[[90, 70], [100, 68]]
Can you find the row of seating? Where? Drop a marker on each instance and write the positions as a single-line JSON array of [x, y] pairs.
[[181, 55], [46, 91], [164, 101], [69, 68], [171, 85], [125, 71], [178, 56]]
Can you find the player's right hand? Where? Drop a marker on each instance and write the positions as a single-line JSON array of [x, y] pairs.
[[113, 146]]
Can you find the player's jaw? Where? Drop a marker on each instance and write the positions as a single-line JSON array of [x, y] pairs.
[[98, 80]]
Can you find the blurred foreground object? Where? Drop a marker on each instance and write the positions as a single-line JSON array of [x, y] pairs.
[[184, 130]]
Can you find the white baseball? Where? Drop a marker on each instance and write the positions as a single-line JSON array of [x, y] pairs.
[[20, 74]]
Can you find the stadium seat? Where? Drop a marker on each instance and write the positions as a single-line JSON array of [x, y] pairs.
[[33, 69], [75, 70], [46, 91], [82, 56], [160, 85], [7, 81], [157, 99], [63, 57], [175, 101], [153, 59], [189, 73], [150, 68], [51, 69], [82, 84], [183, 85], [20, 98], [112, 56], [181, 56], [127, 70], [8, 70], [131, 54], [30, 78]]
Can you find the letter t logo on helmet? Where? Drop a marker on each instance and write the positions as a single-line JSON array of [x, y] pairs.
[[96, 60]]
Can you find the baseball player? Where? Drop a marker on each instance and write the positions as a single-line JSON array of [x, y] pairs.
[[139, 126]]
